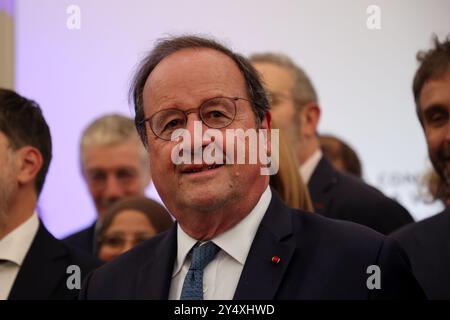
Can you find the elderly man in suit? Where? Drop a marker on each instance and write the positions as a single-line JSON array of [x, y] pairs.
[[427, 242], [33, 264], [295, 107], [234, 238]]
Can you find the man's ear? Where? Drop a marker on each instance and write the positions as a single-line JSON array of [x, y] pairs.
[[29, 164], [309, 118], [266, 124]]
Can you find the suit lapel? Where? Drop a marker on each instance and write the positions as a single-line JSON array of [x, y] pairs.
[[154, 277], [42, 270], [261, 276], [323, 179]]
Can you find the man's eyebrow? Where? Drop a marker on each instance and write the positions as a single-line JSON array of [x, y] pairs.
[[126, 169], [436, 107], [91, 170]]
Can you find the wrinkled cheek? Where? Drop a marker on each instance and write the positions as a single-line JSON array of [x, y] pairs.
[[160, 160], [162, 170]]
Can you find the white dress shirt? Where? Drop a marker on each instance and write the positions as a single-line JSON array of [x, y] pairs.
[[221, 275], [307, 168], [13, 249]]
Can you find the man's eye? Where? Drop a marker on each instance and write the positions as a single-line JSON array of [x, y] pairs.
[[215, 114], [438, 118], [124, 174], [97, 176], [175, 123]]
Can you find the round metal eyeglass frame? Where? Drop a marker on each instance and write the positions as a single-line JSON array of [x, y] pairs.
[[194, 110]]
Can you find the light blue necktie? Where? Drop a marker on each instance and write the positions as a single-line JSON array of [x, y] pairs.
[[193, 283]]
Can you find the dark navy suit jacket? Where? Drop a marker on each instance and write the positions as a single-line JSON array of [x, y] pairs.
[[345, 197], [320, 259], [43, 274], [83, 239], [427, 244]]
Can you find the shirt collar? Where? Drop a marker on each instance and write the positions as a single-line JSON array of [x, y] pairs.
[[15, 245], [236, 241], [308, 167], [185, 244]]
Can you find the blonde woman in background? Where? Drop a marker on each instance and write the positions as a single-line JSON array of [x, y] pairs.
[[288, 182]]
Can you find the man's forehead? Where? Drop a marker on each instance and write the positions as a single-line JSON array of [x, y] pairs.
[[125, 152], [436, 91], [188, 67], [274, 76], [191, 58], [111, 167], [129, 144]]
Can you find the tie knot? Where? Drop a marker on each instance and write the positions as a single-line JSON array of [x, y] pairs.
[[203, 254]]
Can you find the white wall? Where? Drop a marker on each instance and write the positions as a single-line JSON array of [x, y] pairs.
[[363, 76]]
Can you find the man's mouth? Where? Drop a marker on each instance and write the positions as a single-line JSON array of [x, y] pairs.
[[199, 168]]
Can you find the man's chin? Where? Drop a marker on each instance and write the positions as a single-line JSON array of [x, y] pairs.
[[203, 200]]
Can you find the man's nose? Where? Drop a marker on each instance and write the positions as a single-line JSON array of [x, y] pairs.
[[113, 188], [196, 129]]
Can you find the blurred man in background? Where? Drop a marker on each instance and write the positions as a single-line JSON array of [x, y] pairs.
[[114, 165], [428, 242], [295, 107], [33, 264]]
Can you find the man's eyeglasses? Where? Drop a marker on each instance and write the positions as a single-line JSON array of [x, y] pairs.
[[216, 113]]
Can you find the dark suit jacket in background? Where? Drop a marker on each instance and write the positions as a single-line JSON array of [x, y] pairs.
[[427, 244], [320, 259], [43, 272], [342, 196], [83, 239]]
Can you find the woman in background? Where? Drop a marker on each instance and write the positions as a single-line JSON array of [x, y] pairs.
[[129, 222], [288, 182], [343, 157]]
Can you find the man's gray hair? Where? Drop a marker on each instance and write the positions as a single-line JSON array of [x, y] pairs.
[[111, 130], [303, 91]]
